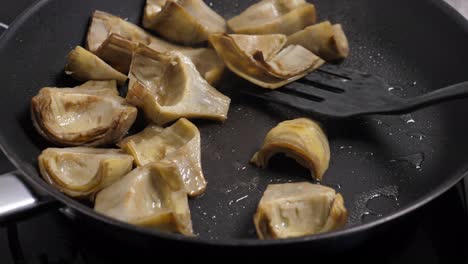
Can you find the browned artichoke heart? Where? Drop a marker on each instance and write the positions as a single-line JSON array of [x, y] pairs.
[[84, 66], [114, 40], [81, 172], [301, 139], [274, 16], [167, 87], [90, 115], [149, 196], [324, 39], [178, 144], [263, 60], [299, 209], [183, 21]]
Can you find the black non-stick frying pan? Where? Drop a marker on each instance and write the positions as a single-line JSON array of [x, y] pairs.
[[385, 166]]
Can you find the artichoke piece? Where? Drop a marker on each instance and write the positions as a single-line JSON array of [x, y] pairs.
[[152, 9], [274, 16], [184, 21], [149, 196], [104, 24], [179, 144], [299, 209], [262, 60], [114, 40], [167, 86], [118, 52], [81, 172], [206, 60], [90, 115], [84, 66], [326, 40], [301, 139]]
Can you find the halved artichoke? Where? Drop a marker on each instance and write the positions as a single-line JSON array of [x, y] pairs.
[[301, 139], [81, 172], [324, 39], [114, 40], [84, 66], [183, 21], [88, 115], [149, 196], [262, 60], [178, 144], [104, 24], [274, 16], [299, 209], [167, 86]]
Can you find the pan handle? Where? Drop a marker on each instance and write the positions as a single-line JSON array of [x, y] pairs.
[[18, 201]]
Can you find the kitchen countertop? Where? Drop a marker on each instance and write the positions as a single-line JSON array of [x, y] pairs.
[[437, 233]]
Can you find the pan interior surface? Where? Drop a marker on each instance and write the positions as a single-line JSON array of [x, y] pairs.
[[381, 164]]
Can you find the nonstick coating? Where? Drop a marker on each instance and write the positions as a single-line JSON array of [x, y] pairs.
[[417, 45]]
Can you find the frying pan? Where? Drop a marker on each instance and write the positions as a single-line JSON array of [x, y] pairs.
[[385, 166]]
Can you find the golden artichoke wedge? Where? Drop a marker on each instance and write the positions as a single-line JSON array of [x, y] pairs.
[[301, 139], [263, 60], [92, 114], [167, 86], [324, 39], [84, 66], [187, 22], [178, 144], [299, 209], [81, 172], [149, 196], [274, 17], [114, 40]]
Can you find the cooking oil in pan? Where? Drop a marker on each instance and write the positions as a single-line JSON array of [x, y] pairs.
[[416, 160], [367, 204]]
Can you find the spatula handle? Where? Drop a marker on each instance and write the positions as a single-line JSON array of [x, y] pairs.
[[455, 91]]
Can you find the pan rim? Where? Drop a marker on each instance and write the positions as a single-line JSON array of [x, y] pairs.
[[41, 185]]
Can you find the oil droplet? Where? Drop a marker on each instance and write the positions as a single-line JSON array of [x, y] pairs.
[[210, 4], [335, 186], [380, 122], [415, 160], [242, 198], [396, 90], [362, 201], [408, 119], [239, 166], [369, 216], [416, 135]]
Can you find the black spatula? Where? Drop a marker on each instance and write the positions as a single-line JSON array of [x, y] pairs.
[[333, 91]]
